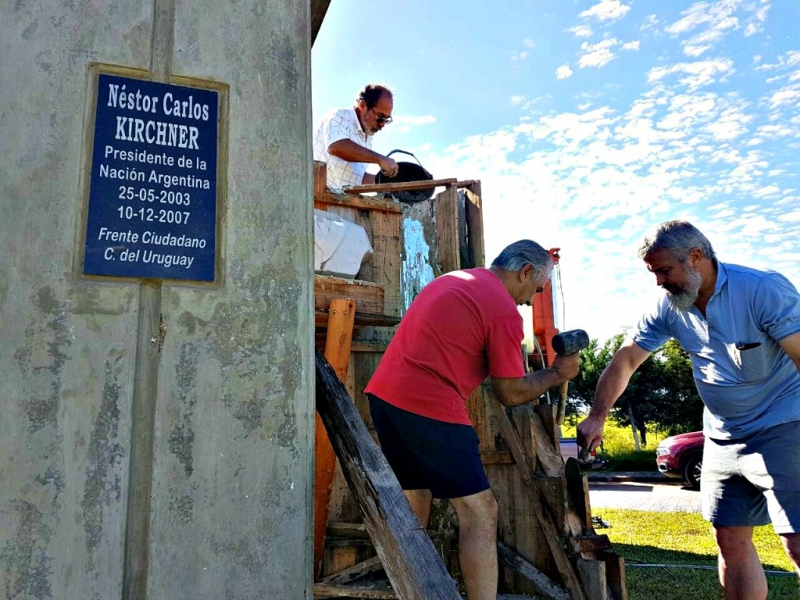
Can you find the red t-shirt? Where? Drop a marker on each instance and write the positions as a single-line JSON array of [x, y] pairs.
[[462, 327]]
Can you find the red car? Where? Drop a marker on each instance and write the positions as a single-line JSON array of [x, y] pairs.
[[681, 456]]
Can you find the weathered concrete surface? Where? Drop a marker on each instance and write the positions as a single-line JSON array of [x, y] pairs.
[[232, 485]]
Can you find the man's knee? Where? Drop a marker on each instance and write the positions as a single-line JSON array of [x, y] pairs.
[[477, 508], [733, 540]]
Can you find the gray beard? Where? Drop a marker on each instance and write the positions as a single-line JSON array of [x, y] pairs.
[[686, 298]]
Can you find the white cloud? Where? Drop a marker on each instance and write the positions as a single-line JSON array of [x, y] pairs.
[[631, 45], [581, 30], [785, 96], [517, 99], [597, 55], [563, 72], [713, 20], [529, 43], [606, 10], [756, 22], [696, 74], [650, 23]]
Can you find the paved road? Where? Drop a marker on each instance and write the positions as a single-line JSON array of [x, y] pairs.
[[659, 497]]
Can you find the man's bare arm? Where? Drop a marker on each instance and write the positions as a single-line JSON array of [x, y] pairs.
[[610, 386], [791, 345], [514, 391], [351, 152]]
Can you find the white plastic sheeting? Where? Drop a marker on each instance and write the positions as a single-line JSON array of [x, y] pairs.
[[340, 246]]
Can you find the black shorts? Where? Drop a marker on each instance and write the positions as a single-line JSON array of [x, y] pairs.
[[426, 454]]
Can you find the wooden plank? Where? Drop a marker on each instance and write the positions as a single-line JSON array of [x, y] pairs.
[[361, 320], [368, 296], [385, 232], [368, 347], [497, 458], [464, 257], [547, 455], [578, 492], [341, 316], [475, 224], [337, 352], [347, 530], [320, 177], [325, 590], [615, 574], [357, 202], [546, 518], [409, 557], [405, 186], [547, 415], [447, 236], [521, 418], [585, 544], [593, 576], [371, 565], [544, 586]]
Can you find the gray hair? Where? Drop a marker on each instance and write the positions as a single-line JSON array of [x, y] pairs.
[[515, 256], [678, 238]]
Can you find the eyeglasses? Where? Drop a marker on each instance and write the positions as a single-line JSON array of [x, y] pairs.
[[381, 119]]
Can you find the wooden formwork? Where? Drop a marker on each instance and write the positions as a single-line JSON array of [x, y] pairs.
[[545, 521]]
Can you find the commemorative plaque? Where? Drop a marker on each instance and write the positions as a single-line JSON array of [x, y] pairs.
[[152, 205]]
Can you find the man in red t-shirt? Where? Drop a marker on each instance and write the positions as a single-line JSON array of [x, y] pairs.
[[462, 328]]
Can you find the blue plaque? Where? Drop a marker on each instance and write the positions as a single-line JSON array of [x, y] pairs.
[[152, 210]]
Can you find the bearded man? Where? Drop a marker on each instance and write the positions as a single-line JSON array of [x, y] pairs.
[[741, 328]]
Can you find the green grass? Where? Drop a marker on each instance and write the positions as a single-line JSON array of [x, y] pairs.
[[644, 537]]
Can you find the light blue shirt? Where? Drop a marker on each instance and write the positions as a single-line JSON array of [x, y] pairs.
[[745, 379]]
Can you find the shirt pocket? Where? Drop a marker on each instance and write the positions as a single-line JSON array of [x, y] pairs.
[[753, 363]]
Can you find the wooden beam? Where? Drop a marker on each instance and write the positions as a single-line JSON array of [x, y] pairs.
[[359, 202], [475, 224], [615, 574], [593, 576], [578, 492], [371, 565], [362, 320], [590, 543], [368, 296], [406, 186], [348, 530], [447, 238], [337, 353], [544, 587], [325, 590], [544, 516], [410, 559]]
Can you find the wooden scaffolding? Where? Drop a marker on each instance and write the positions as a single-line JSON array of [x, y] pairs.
[[548, 547]]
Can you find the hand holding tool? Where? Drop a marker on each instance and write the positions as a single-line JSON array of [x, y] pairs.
[[566, 343]]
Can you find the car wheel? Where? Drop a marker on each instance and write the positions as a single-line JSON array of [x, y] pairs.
[[692, 471]]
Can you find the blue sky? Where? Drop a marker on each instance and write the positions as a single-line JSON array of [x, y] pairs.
[[588, 121]]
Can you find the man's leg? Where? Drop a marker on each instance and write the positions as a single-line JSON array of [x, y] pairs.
[[477, 543], [791, 543], [740, 571], [420, 501]]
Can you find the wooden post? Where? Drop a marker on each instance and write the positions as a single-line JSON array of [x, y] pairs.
[[337, 352], [412, 564]]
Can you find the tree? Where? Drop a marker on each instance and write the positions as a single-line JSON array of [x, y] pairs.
[[661, 392]]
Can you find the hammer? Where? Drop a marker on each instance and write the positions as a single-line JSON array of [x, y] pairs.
[[566, 343]]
